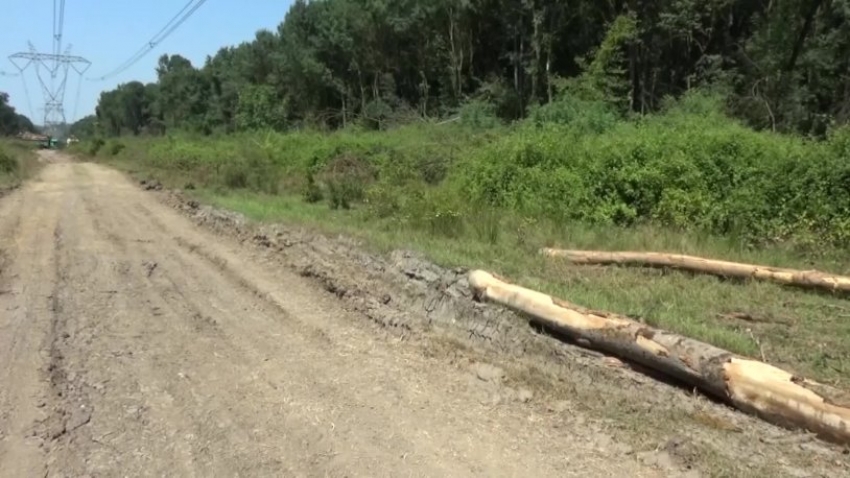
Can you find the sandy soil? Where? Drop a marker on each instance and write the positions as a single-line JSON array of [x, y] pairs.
[[145, 335]]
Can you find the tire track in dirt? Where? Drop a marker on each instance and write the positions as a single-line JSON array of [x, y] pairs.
[[69, 404], [27, 221], [131, 373], [333, 399], [174, 351], [170, 284], [170, 295]]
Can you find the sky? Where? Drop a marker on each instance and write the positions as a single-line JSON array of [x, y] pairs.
[[108, 32]]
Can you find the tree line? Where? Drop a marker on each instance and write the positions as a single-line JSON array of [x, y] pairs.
[[782, 65], [12, 122]]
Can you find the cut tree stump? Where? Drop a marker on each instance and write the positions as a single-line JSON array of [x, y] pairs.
[[749, 385], [808, 279]]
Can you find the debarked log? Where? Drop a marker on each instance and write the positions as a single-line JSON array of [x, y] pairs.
[[749, 385], [800, 278]]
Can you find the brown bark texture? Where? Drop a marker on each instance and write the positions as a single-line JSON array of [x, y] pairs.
[[808, 279], [751, 386]]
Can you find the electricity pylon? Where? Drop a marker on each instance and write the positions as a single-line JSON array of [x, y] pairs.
[[53, 86]]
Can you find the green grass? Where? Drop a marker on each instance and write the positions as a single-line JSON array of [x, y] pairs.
[[17, 162]]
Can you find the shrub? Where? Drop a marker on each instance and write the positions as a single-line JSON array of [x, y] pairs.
[[235, 175], [346, 177], [584, 116], [689, 168], [312, 192], [479, 114], [116, 147], [8, 164], [95, 146]]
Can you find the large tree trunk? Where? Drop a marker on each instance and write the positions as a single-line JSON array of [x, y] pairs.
[[809, 279], [752, 386]]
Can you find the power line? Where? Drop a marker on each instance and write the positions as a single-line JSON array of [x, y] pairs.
[[58, 65], [61, 26], [187, 11], [54, 95], [58, 29], [55, 29]]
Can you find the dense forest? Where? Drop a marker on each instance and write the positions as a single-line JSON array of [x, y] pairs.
[[720, 117], [11, 122], [782, 65]]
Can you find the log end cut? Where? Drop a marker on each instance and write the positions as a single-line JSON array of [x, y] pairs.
[[779, 397]]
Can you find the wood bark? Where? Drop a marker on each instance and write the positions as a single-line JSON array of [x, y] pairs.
[[749, 385], [800, 278]]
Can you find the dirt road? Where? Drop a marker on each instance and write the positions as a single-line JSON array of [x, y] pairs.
[[132, 343]]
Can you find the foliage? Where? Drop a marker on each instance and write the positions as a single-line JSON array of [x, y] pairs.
[[18, 162], [12, 123], [95, 145], [689, 168], [8, 163], [116, 147], [479, 114], [376, 63], [605, 76], [85, 128], [346, 177], [620, 113]]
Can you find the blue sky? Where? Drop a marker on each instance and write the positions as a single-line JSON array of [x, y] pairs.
[[108, 32]]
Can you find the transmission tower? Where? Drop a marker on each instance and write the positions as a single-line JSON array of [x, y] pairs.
[[52, 70]]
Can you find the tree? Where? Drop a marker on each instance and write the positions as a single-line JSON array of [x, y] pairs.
[[85, 127], [11, 122], [783, 64]]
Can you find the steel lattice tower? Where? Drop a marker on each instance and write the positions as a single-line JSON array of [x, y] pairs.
[[52, 71]]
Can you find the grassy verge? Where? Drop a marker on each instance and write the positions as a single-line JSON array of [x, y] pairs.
[[688, 181], [17, 162], [803, 331], [807, 332]]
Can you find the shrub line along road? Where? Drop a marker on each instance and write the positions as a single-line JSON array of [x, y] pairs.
[[133, 343]]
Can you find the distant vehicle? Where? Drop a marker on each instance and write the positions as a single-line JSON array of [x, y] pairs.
[[49, 143]]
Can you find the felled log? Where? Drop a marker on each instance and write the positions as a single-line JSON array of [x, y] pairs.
[[799, 278], [749, 385]]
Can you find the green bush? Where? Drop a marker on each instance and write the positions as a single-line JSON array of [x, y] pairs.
[[592, 117], [479, 114], [95, 145], [235, 175], [8, 163], [116, 147], [688, 167], [346, 177], [383, 201], [312, 192]]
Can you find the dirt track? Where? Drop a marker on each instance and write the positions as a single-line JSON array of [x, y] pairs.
[[144, 335], [132, 343]]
